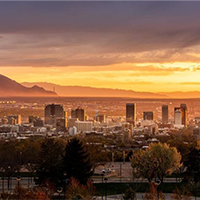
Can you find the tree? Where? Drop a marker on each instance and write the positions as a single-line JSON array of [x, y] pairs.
[[9, 156], [157, 161], [22, 193], [30, 154], [50, 160], [153, 193], [75, 190], [77, 161], [97, 155], [181, 194], [9, 159], [192, 163], [129, 194]]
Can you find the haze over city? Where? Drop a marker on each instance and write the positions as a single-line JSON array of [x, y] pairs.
[[99, 100], [140, 46]]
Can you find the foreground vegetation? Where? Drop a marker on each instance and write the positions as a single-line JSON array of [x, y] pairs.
[[69, 163]]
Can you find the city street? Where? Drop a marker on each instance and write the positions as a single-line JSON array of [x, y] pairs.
[[121, 172]]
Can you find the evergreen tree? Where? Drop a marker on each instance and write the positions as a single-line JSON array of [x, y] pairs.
[[192, 163], [50, 160], [77, 161]]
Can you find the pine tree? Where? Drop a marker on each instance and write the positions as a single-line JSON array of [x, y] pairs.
[[77, 161], [50, 160]]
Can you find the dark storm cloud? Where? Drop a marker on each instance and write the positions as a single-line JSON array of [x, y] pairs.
[[85, 31]]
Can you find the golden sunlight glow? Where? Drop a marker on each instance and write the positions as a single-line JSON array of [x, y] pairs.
[[155, 77]]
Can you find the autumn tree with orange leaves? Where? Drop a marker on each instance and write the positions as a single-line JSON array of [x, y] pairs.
[[157, 161]]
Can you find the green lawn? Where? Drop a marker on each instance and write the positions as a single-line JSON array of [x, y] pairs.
[[119, 188]]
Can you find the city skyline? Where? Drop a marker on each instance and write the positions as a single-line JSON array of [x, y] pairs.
[[140, 46]]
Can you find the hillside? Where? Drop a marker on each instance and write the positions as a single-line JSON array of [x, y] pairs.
[[93, 92], [10, 87]]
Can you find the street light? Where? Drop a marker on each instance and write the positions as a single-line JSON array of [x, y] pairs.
[[29, 164], [120, 172], [195, 186], [105, 179], [8, 177], [92, 186], [65, 182], [59, 190], [3, 184], [102, 175], [18, 178], [157, 182]]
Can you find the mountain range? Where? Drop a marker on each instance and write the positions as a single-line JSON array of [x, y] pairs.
[[80, 91], [103, 92], [10, 87]]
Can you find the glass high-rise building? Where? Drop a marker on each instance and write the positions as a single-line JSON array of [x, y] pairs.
[[53, 112], [78, 113], [184, 115], [131, 113], [165, 114], [148, 115]]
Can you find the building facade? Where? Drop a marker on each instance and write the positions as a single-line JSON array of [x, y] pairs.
[[131, 113], [53, 112], [165, 114], [148, 115], [78, 113]]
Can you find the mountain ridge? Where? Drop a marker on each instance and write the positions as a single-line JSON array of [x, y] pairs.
[[113, 92], [86, 91], [9, 87]]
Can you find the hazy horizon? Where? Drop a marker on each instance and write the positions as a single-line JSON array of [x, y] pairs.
[[56, 84], [140, 46]]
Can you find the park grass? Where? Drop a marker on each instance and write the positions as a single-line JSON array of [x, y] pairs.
[[120, 188]]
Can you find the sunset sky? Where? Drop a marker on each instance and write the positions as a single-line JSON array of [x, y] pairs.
[[141, 46]]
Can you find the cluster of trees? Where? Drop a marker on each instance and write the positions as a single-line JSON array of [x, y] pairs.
[[23, 193], [30, 153], [58, 162], [55, 162], [74, 190]]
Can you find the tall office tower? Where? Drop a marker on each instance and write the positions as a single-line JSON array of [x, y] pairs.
[[148, 115], [177, 117], [184, 115], [38, 122], [14, 119], [31, 119], [100, 118], [78, 113], [61, 124], [165, 117], [4, 120], [131, 113], [52, 113]]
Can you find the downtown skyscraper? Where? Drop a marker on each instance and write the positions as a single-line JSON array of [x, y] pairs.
[[165, 114], [131, 113], [53, 112]]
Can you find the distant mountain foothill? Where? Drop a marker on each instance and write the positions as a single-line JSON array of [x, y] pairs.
[[10, 87], [80, 91]]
